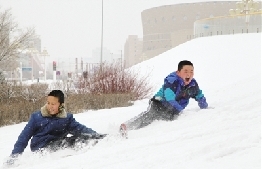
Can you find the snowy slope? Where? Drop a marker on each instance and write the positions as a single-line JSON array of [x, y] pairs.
[[228, 69]]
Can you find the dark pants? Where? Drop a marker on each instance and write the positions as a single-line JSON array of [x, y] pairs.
[[155, 111], [67, 142]]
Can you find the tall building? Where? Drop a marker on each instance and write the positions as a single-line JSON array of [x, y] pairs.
[[133, 50]]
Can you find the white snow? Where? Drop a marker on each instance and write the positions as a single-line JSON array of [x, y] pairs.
[[228, 70]]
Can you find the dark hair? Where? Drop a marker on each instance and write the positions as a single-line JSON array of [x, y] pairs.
[[183, 63], [59, 94]]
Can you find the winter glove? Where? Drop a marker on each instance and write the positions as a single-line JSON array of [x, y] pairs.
[[12, 159], [87, 136], [99, 136], [202, 103]]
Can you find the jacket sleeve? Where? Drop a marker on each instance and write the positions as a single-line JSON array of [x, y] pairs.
[[75, 128], [24, 137], [170, 97], [200, 98]]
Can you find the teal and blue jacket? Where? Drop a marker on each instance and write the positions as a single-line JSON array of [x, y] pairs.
[[175, 93]]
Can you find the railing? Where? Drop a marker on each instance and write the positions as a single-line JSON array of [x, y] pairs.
[[236, 24]]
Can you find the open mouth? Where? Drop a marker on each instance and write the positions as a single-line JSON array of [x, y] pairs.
[[51, 110], [187, 79]]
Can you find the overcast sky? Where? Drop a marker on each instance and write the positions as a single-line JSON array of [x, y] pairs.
[[72, 28]]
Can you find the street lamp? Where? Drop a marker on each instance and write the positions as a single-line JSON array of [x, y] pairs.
[[44, 53], [32, 52], [245, 7], [101, 54]]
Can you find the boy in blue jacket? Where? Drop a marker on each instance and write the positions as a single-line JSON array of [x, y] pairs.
[[50, 126], [171, 98]]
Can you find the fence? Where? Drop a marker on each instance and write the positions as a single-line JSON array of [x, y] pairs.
[[237, 24]]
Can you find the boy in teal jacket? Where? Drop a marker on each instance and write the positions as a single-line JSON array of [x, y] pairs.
[[171, 98]]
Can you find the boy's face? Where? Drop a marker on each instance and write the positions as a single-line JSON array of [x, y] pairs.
[[52, 105], [186, 73]]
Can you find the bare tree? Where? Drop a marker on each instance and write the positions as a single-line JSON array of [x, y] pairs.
[[12, 40], [34, 92]]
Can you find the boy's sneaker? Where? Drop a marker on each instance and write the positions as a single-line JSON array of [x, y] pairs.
[[123, 130]]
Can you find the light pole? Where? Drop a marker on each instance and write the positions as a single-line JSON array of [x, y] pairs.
[[33, 54], [44, 53], [32, 66], [101, 54], [121, 61], [245, 7]]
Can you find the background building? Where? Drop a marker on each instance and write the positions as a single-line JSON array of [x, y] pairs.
[[133, 50], [166, 27]]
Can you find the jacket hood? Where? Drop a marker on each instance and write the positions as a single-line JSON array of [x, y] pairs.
[[172, 77], [61, 114]]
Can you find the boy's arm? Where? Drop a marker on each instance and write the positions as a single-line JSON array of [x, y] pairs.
[[81, 130], [200, 98], [24, 137], [76, 128]]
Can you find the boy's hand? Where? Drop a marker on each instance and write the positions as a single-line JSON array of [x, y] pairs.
[[11, 160], [99, 136], [202, 103], [93, 136]]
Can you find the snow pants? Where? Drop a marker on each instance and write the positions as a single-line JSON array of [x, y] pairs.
[[66, 142], [73, 142], [155, 111]]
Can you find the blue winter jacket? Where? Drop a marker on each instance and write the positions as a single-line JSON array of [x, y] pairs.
[[175, 93], [43, 128]]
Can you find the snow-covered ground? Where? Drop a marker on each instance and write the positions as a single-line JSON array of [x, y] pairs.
[[228, 70]]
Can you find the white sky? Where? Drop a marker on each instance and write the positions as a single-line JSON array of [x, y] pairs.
[[228, 70], [72, 28]]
